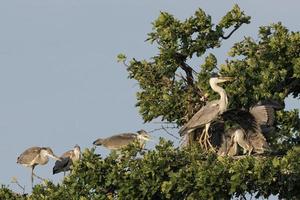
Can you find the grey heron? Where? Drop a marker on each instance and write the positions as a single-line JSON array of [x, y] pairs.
[[208, 113], [34, 156], [253, 125], [118, 141], [67, 159]]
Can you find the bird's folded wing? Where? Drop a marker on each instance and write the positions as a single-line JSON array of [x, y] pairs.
[[125, 136], [67, 154], [205, 115], [63, 165], [29, 155]]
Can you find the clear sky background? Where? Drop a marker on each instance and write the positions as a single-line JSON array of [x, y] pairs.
[[60, 84]]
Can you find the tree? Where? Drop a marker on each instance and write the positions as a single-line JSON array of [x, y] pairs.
[[265, 69], [173, 90]]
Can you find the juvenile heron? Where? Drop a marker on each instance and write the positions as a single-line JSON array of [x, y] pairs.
[[253, 124], [118, 141], [208, 113], [34, 156], [67, 159]]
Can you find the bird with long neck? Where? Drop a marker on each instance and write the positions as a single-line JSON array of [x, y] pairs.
[[208, 113], [223, 102], [34, 156]]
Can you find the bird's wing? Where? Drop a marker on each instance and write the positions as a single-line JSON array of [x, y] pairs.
[[274, 104], [67, 154], [242, 117], [264, 111], [205, 115], [120, 140], [264, 114], [28, 155], [63, 165], [124, 136]]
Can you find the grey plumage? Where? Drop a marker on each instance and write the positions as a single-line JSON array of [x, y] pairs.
[[254, 123], [34, 156], [67, 159], [208, 113], [205, 115], [118, 141]]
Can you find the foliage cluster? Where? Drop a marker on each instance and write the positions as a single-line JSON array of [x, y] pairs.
[[171, 173]]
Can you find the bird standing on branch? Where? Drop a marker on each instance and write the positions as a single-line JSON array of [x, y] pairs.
[[208, 113], [118, 141], [67, 159], [34, 156]]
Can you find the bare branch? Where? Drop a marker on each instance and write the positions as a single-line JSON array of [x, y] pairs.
[[236, 27], [163, 122], [15, 181], [165, 129], [169, 132]]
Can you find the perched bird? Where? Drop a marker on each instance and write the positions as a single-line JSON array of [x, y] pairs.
[[118, 141], [208, 113], [67, 159], [34, 156], [253, 124]]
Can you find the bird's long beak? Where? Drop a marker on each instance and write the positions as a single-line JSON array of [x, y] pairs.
[[149, 139], [54, 157], [226, 78]]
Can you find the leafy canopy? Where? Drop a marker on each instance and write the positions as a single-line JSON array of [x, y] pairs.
[[266, 68], [172, 89], [171, 173]]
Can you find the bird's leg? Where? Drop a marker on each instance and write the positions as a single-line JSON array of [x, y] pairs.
[[32, 176], [201, 139], [230, 145], [242, 140], [205, 141], [206, 138]]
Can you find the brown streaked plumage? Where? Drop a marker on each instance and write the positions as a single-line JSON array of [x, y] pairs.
[[67, 159], [118, 141], [34, 156]]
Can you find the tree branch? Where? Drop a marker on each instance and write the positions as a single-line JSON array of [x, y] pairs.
[[165, 129], [188, 71], [236, 27], [186, 68]]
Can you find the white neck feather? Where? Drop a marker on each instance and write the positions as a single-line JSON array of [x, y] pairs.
[[223, 102]]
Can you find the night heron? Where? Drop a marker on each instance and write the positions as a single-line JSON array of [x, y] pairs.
[[34, 156], [208, 113], [67, 159], [118, 141]]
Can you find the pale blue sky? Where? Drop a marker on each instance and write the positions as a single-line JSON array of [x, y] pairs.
[[60, 83]]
